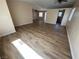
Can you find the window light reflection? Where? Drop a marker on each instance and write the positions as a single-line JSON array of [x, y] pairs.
[[25, 50]]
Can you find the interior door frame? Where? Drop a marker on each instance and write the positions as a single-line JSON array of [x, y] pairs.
[[60, 18]]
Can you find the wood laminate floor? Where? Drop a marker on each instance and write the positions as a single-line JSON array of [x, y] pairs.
[[48, 41]]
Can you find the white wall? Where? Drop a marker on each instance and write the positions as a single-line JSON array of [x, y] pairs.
[[6, 24], [73, 34], [21, 12], [66, 16], [52, 15]]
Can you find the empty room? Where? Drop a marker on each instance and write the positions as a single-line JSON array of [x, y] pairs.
[[39, 29]]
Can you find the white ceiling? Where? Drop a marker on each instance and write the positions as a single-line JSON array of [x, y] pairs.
[[50, 3]]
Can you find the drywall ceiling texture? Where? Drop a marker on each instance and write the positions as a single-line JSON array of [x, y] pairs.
[[50, 3], [77, 3], [6, 24], [21, 12]]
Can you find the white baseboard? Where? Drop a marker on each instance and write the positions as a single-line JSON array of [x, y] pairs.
[[23, 24], [72, 54], [7, 33]]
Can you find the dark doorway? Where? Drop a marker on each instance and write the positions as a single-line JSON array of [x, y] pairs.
[[38, 16], [60, 16], [41, 16], [35, 15]]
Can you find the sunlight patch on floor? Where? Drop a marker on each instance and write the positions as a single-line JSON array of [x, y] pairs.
[[25, 50]]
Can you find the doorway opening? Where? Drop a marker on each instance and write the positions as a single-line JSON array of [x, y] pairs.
[[35, 15], [39, 16], [60, 17]]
